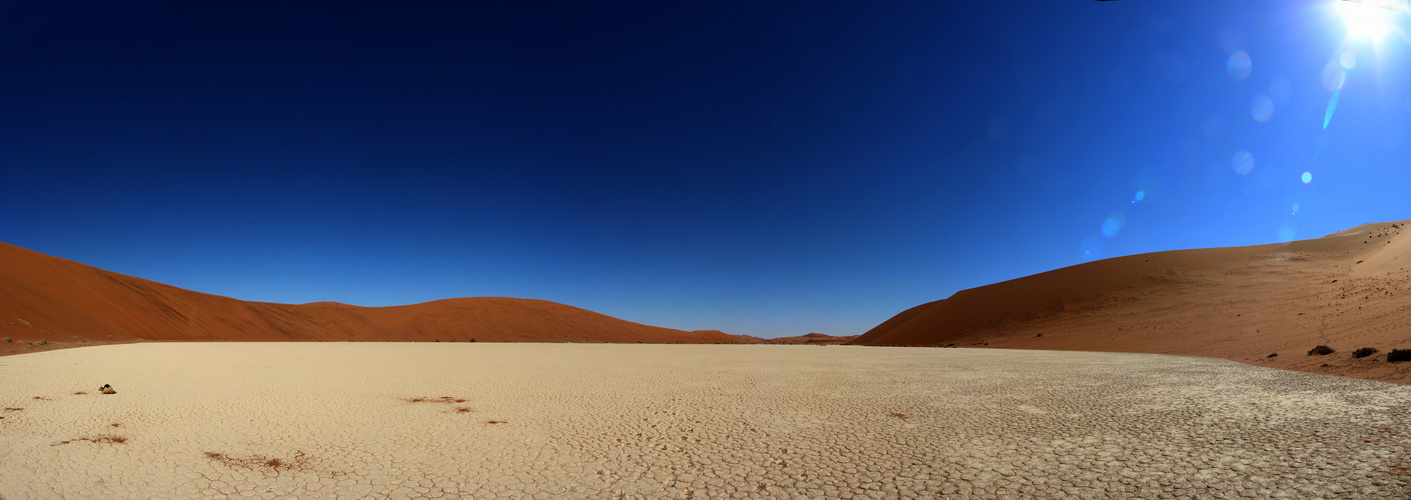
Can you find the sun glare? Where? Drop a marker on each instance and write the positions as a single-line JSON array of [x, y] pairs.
[[1370, 19]]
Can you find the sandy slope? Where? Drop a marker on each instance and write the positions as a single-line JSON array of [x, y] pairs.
[[45, 297], [414, 420], [1347, 290]]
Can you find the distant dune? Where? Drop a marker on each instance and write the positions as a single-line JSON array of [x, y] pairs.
[[1346, 290], [813, 338], [53, 299]]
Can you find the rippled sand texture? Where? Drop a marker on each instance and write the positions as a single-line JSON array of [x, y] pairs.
[[354, 420]]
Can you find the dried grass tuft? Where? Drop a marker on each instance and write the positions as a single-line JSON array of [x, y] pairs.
[[442, 399], [104, 438], [267, 465]]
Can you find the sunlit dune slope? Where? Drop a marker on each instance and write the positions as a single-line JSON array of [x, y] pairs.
[[1347, 290], [45, 297]]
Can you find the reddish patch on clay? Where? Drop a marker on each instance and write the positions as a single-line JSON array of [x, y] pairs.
[[275, 465], [105, 438], [442, 399]]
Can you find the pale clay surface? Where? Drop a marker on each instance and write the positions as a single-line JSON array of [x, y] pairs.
[[683, 421]]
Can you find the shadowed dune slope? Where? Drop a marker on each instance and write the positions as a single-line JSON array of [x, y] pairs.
[[1347, 290], [45, 297]]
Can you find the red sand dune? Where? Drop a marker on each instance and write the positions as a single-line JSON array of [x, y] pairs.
[[1346, 290], [813, 338], [49, 298]]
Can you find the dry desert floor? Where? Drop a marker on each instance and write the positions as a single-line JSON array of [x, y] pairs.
[[479, 420]]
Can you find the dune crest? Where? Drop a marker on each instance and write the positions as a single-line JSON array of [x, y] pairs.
[[814, 338], [45, 297], [1347, 290]]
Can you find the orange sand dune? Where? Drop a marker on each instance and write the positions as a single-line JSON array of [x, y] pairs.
[[53, 299], [1346, 290], [813, 338]]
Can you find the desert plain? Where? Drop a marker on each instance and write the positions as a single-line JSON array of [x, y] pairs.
[[1207, 389], [519, 420]]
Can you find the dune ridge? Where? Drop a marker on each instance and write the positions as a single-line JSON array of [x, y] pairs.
[[814, 339], [1347, 290], [54, 299]]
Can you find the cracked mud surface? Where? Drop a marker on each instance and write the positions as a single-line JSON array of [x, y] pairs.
[[403, 420]]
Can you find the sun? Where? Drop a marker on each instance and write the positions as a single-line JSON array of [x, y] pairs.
[[1370, 19]]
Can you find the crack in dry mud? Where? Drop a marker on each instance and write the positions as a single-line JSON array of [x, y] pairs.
[[681, 421]]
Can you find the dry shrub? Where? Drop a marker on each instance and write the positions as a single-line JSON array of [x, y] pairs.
[[104, 438], [1399, 355], [268, 465], [1364, 352], [442, 399], [1321, 350]]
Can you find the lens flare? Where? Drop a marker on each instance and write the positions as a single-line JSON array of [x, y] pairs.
[[1238, 65], [1147, 186], [1307, 177], [1115, 222], [1368, 20], [1109, 229], [1242, 162], [1348, 60], [1295, 208], [1334, 76], [1262, 108], [1091, 248], [1287, 232], [1332, 106]]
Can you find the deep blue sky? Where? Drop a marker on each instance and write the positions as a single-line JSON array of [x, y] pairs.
[[762, 168]]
